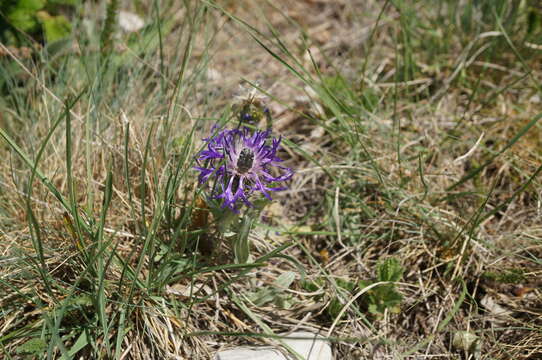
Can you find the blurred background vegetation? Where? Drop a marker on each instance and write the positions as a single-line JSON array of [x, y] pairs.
[[24, 21]]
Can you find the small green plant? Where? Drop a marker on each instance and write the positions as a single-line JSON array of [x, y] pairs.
[[336, 305], [384, 296], [33, 347], [375, 300], [39, 19], [506, 276], [275, 293]]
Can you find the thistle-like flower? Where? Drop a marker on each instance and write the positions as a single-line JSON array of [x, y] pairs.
[[242, 163]]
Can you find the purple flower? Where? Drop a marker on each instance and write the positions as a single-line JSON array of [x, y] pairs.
[[242, 163]]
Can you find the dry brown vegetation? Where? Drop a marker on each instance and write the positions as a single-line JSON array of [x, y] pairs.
[[427, 151]]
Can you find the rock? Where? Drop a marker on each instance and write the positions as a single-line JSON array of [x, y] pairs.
[[130, 22], [498, 313], [253, 354], [463, 340], [306, 344], [468, 343], [309, 345]]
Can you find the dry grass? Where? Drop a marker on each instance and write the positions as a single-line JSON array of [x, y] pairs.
[[378, 176]]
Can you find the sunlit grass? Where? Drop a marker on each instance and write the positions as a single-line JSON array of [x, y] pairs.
[[418, 142]]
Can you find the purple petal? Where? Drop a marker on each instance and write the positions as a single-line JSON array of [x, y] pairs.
[[220, 159]]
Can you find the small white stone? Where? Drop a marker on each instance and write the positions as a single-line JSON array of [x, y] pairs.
[[498, 313], [214, 75], [464, 340], [253, 354], [308, 345], [317, 132], [130, 22]]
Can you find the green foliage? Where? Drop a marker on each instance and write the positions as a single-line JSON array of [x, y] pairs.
[[241, 244], [275, 293], [34, 346], [375, 300], [507, 276], [335, 305], [342, 91], [384, 296], [534, 20], [54, 27], [39, 19], [310, 285], [23, 14], [334, 308], [389, 270], [236, 229]]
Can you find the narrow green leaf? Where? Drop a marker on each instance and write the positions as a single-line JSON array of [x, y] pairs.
[[80, 343]]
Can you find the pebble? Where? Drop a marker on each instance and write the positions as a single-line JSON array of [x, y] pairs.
[[306, 344]]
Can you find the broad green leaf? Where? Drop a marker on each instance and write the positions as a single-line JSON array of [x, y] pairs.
[[54, 27], [81, 342], [285, 280], [389, 270], [30, 5], [275, 293], [334, 308], [373, 309], [62, 2], [392, 298], [23, 20], [35, 346], [262, 296], [345, 284], [310, 285], [241, 244]]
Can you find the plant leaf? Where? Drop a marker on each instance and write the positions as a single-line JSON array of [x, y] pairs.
[[390, 270], [33, 346], [285, 280], [54, 27]]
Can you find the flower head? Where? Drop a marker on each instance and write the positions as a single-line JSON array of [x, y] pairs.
[[242, 164]]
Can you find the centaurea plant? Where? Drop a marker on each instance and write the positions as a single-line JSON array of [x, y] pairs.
[[241, 165]]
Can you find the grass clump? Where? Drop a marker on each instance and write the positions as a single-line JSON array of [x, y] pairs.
[[413, 129]]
